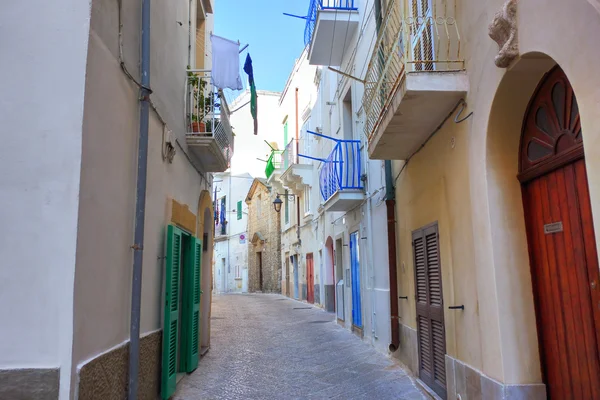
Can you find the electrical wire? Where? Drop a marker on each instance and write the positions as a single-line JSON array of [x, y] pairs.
[[436, 130]]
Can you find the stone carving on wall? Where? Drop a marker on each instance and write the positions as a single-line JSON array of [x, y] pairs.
[[503, 30]]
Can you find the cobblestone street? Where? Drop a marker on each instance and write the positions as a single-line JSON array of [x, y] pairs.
[[268, 346]]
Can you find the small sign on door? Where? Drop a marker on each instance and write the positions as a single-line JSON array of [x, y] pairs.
[[554, 227]]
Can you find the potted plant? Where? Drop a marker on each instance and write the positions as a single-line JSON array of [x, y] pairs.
[[197, 126], [201, 106]]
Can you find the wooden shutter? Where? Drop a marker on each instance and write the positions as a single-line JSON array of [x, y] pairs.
[[171, 312], [239, 210], [192, 292], [430, 309], [422, 34]]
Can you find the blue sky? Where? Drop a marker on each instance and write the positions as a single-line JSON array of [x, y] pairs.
[[275, 40]]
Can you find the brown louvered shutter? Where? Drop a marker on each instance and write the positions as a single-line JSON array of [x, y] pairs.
[[430, 309]]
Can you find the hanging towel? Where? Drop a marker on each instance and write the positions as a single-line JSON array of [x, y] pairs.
[[226, 63], [253, 97]]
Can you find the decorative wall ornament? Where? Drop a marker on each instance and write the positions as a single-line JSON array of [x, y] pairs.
[[503, 30]]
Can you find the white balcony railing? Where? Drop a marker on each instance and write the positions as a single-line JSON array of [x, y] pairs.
[[207, 114], [414, 36]]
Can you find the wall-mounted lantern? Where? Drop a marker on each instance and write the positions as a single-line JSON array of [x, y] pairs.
[[278, 202]]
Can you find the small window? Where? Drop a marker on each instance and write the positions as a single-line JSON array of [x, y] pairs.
[[259, 205], [306, 200], [287, 208], [239, 210]]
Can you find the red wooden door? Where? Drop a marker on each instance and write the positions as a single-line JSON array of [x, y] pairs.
[[310, 279], [562, 246]]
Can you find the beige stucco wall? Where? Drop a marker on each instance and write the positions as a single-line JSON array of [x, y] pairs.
[[108, 178], [472, 190]]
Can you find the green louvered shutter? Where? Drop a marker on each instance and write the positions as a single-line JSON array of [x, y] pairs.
[[192, 294], [171, 317], [239, 210]]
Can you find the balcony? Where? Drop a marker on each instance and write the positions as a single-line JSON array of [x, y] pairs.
[[330, 26], [209, 135], [415, 77], [340, 177], [273, 163], [274, 169], [295, 176]]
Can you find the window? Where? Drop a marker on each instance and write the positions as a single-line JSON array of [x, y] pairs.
[[422, 34], [430, 306], [287, 208], [306, 200], [239, 210], [237, 272], [259, 206]]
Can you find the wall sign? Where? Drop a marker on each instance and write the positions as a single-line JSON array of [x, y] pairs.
[[554, 227]]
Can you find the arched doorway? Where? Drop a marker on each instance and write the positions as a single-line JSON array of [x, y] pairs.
[[561, 241]]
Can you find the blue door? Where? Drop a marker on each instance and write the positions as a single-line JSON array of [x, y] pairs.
[[295, 263], [355, 272]]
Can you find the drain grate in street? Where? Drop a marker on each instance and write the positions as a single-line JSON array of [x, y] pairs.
[[302, 308], [318, 322]]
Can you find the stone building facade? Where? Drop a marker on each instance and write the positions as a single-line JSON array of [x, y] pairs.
[[264, 244]]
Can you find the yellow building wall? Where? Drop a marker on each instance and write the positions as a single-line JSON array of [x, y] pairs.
[[465, 179]]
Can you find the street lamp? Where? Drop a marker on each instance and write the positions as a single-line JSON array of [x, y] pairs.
[[278, 202]]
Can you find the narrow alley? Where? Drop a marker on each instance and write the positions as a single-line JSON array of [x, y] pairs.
[[269, 346]]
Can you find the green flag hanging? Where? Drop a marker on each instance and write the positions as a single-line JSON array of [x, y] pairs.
[[253, 96]]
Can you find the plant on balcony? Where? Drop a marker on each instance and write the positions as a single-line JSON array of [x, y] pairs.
[[203, 104]]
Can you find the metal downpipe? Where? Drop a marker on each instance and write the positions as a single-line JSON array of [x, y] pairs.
[[140, 205], [390, 204]]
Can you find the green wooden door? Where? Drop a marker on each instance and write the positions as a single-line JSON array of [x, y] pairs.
[[171, 311], [192, 305]]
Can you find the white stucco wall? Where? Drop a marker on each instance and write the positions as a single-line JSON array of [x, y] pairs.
[[230, 247], [250, 147], [42, 77], [326, 112], [109, 169]]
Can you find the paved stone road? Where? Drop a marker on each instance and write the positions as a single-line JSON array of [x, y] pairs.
[[270, 347]]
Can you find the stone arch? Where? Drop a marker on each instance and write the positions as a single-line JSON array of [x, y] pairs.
[[205, 231], [518, 332]]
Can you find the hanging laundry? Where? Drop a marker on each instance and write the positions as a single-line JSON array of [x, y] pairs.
[[226, 63], [253, 97]]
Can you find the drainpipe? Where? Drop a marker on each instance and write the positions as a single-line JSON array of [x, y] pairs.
[[228, 231], [390, 203], [140, 205]]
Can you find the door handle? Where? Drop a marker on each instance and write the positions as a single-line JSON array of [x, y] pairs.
[[457, 307]]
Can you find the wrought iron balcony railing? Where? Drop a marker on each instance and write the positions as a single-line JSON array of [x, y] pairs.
[[207, 113], [414, 36], [289, 156], [342, 169], [313, 8], [274, 162]]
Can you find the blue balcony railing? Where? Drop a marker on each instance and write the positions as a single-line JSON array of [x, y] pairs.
[[316, 5], [342, 169]]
